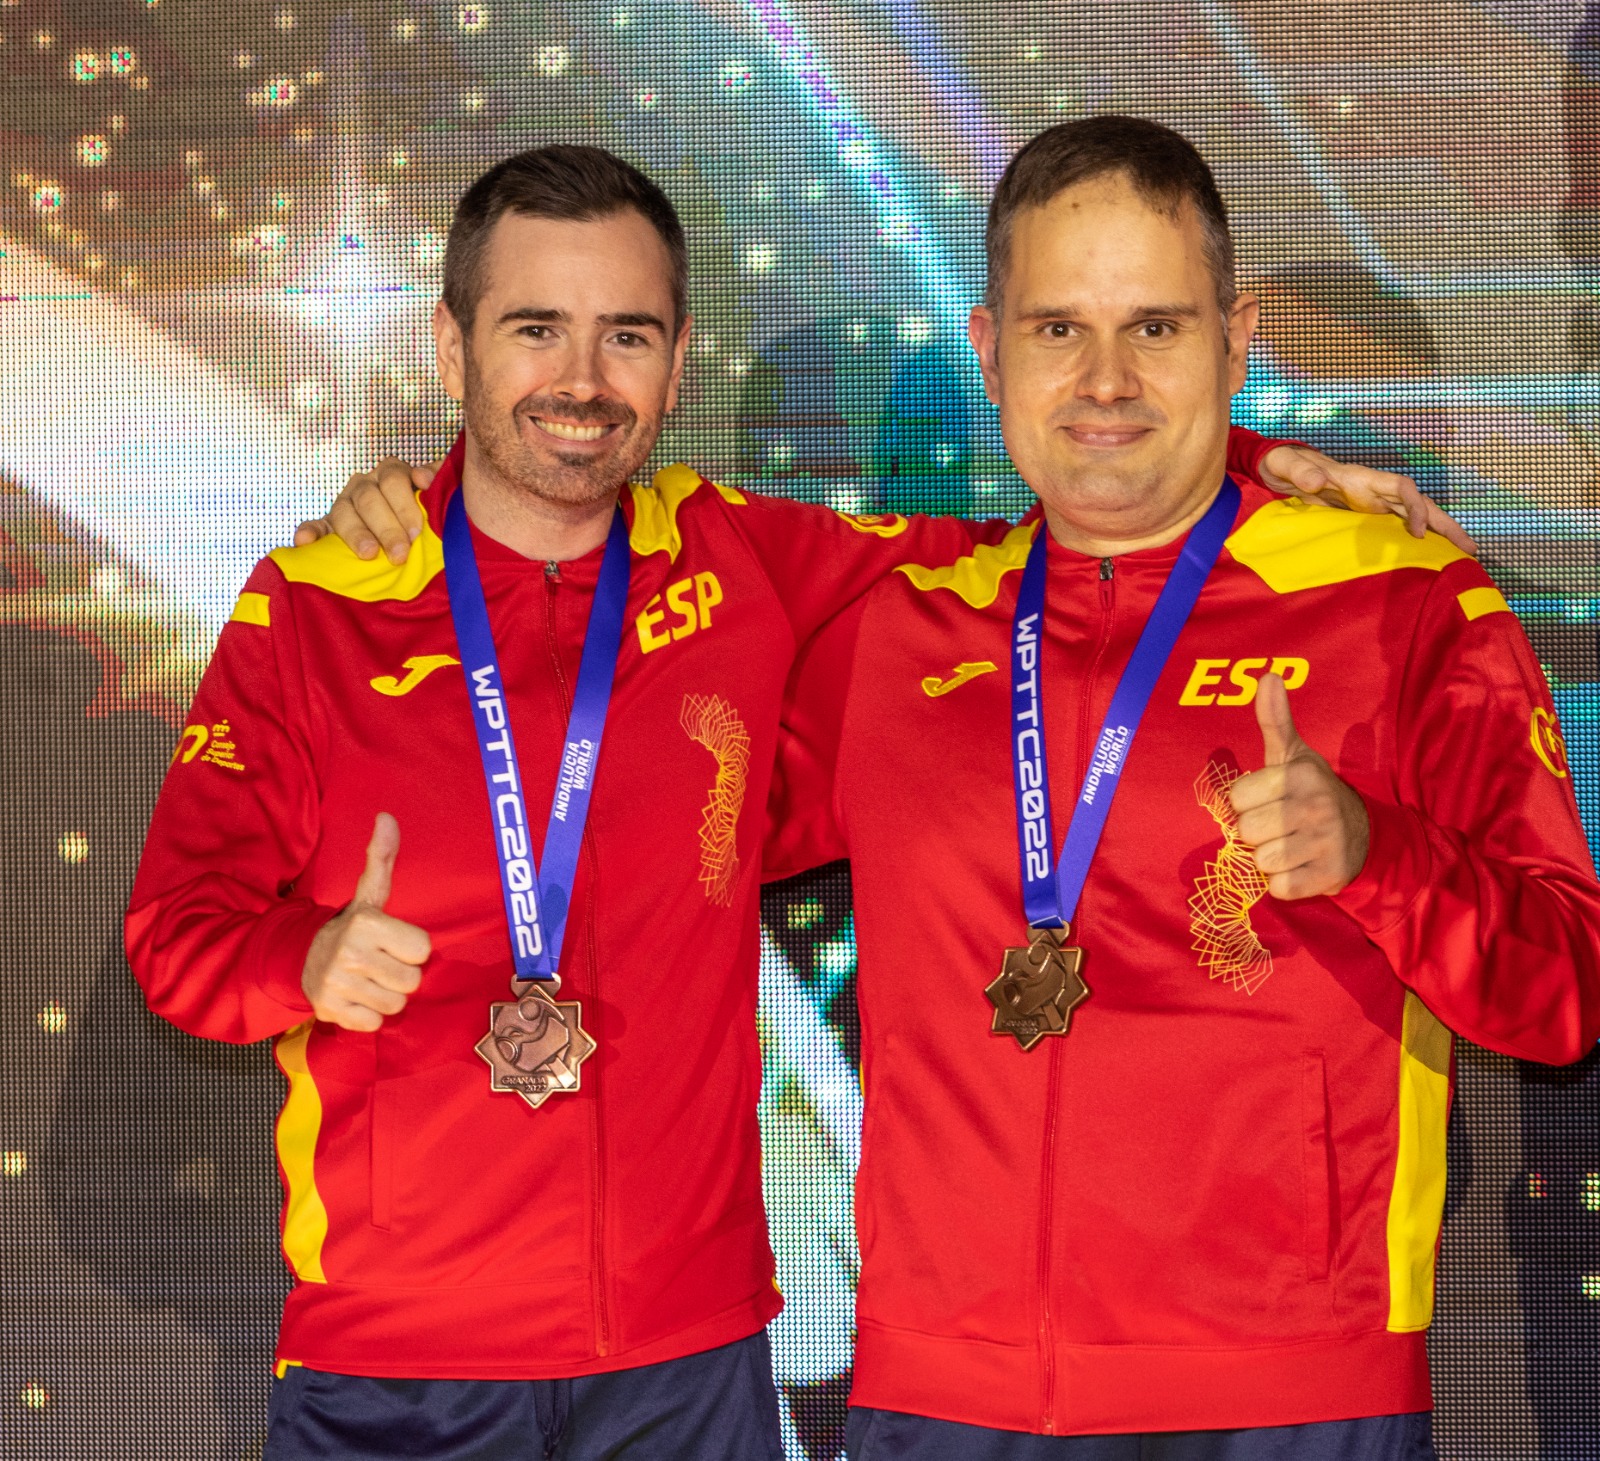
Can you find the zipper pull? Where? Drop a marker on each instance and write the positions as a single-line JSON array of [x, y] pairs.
[[1107, 583], [552, 573]]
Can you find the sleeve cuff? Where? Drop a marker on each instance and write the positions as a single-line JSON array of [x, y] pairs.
[[1247, 449], [1399, 866], [276, 958]]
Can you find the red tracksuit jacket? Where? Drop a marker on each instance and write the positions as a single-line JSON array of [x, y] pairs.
[[437, 1229], [1215, 1203]]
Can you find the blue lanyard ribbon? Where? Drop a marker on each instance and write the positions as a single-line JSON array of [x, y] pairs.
[[537, 898], [1050, 894]]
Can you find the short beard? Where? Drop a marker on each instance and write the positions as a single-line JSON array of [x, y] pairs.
[[574, 480]]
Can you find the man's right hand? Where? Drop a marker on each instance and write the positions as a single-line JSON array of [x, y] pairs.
[[362, 964], [376, 509]]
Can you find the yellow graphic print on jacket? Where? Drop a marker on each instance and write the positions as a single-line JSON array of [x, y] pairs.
[[1219, 911], [711, 721]]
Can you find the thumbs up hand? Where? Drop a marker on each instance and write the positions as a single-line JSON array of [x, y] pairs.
[[362, 964], [1308, 828]]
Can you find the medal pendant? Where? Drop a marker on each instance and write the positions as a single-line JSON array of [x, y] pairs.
[[535, 1045], [1038, 988]]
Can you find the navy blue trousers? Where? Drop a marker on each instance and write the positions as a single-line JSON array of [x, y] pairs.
[[887, 1435], [716, 1406]]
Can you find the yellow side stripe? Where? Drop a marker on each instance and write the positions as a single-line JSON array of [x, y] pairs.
[[1416, 1203], [305, 1219], [1476, 602], [252, 609]]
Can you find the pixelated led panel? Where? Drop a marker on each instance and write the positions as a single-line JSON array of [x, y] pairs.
[[220, 237]]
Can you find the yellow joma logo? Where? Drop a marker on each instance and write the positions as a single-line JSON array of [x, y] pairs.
[[417, 668], [935, 687]]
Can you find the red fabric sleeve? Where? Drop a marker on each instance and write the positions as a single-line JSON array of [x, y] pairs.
[[1246, 449], [802, 823], [214, 934], [1478, 884], [821, 563], [818, 560]]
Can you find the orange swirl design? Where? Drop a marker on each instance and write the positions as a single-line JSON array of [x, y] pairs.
[[714, 724], [1219, 911]]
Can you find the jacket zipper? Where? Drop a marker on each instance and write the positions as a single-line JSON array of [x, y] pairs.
[[552, 583], [1108, 605]]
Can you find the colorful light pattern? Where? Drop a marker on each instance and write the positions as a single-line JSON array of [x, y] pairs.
[[199, 346]]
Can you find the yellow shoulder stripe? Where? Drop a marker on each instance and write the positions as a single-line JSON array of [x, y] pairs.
[[976, 578], [305, 1218], [655, 509], [329, 564], [1295, 545], [1476, 602], [252, 609]]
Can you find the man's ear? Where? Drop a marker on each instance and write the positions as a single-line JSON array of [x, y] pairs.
[[450, 350], [1242, 321], [680, 353], [984, 332]]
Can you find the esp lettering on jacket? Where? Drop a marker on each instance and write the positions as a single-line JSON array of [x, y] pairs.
[[1233, 682], [681, 609]]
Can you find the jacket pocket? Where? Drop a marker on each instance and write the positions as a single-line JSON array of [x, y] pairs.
[[1317, 1160], [380, 1153]]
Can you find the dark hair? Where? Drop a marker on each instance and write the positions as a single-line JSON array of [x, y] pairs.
[[576, 184], [1163, 167]]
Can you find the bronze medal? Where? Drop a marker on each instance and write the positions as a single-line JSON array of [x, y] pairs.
[[1038, 988], [535, 1045]]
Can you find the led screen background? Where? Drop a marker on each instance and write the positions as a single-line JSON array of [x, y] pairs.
[[220, 234]]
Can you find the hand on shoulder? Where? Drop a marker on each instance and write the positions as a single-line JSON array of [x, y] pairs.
[[377, 509], [1312, 474]]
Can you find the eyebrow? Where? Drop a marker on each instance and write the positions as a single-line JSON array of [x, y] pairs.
[[638, 319], [1146, 312], [536, 316]]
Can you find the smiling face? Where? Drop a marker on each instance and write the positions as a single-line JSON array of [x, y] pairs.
[[571, 361], [1112, 366]]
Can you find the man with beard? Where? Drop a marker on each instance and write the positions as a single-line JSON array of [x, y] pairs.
[[519, 1146], [1164, 933]]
